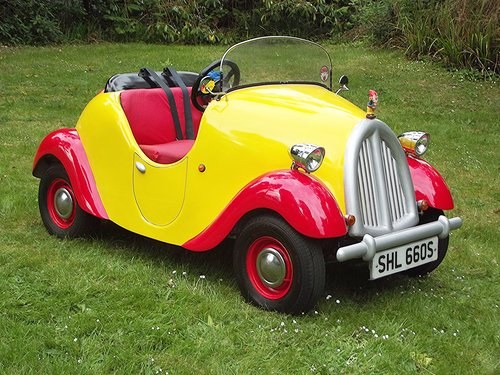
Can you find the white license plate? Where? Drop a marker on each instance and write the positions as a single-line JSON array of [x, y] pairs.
[[404, 257]]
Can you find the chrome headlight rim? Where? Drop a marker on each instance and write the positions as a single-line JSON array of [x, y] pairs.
[[415, 142], [307, 156]]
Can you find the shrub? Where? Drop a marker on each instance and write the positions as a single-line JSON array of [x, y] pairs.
[[461, 33], [318, 18], [186, 21], [28, 22]]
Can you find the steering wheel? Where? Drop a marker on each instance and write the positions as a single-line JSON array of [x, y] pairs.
[[207, 85]]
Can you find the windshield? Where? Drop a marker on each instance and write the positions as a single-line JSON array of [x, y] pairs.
[[276, 59]]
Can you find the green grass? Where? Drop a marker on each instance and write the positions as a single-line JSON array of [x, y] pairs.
[[123, 304]]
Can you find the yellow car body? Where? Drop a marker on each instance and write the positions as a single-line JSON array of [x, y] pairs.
[[243, 136]]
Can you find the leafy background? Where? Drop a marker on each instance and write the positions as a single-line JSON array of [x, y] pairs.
[[460, 33]]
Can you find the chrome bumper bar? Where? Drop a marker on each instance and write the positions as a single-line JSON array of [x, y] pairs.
[[370, 245]]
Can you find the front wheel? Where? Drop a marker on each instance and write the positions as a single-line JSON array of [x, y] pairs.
[[59, 209], [277, 268], [429, 216]]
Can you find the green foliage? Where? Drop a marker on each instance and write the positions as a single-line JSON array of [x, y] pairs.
[[196, 21], [460, 33], [376, 20], [185, 21], [28, 22], [318, 18]]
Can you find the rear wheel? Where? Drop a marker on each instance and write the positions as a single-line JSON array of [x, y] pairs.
[[278, 268], [59, 209], [429, 216]]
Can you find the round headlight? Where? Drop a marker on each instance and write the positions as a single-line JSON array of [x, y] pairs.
[[422, 144], [415, 142], [308, 157]]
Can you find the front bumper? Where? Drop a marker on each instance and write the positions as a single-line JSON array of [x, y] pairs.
[[370, 245]]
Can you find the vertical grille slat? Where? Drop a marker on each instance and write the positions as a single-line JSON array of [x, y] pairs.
[[399, 195], [388, 181], [394, 190], [367, 185], [393, 187], [371, 184], [363, 186]]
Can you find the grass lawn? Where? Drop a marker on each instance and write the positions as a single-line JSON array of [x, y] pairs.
[[123, 304]]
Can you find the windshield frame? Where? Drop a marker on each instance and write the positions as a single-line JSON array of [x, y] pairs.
[[328, 86]]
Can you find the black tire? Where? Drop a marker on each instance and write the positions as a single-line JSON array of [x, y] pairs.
[[429, 216], [277, 268], [66, 220]]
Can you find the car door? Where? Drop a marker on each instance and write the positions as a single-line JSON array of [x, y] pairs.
[[159, 189]]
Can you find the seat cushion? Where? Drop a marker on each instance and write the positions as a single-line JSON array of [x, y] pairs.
[[166, 153]]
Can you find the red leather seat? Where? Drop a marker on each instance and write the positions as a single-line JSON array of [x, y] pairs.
[[151, 122]]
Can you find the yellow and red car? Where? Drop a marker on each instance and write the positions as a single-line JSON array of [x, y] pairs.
[[258, 147]]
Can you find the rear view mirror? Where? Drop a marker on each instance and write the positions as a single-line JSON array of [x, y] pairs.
[[343, 81]]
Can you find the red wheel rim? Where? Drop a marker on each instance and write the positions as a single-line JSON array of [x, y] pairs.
[[61, 203], [269, 267]]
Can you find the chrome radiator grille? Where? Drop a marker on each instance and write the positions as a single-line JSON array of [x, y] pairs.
[[366, 185], [378, 186]]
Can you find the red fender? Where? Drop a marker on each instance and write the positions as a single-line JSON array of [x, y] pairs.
[[304, 202], [65, 145], [429, 184]]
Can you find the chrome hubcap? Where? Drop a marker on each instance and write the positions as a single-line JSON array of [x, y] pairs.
[[271, 267], [63, 203]]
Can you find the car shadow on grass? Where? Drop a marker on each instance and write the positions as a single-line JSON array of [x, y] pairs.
[[347, 281], [351, 281], [128, 244]]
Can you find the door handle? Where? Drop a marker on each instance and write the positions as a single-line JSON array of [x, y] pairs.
[[140, 167]]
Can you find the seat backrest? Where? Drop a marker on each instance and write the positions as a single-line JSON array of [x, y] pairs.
[[148, 113]]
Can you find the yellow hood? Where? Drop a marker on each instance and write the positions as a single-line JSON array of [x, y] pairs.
[[270, 119]]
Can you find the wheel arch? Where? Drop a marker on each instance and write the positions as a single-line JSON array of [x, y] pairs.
[[64, 147], [298, 198], [429, 184]]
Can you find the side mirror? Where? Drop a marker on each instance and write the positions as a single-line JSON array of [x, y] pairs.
[[343, 81]]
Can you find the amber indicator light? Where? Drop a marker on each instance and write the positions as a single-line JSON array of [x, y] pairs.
[[350, 220], [423, 205]]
